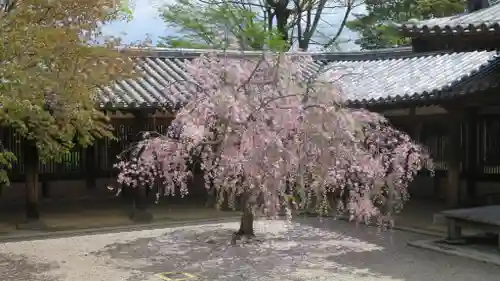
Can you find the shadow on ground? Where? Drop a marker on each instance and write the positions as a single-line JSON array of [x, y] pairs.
[[305, 250], [19, 268]]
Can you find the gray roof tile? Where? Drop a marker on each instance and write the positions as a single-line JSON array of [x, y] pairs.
[[410, 78], [371, 77], [483, 20]]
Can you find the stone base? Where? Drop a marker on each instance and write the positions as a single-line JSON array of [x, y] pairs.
[[32, 225], [141, 216]]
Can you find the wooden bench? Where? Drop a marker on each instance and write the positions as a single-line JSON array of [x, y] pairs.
[[486, 218]]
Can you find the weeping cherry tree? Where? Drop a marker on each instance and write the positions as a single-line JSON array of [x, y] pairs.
[[267, 129]]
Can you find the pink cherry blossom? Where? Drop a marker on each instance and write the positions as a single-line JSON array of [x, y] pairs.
[[269, 127]]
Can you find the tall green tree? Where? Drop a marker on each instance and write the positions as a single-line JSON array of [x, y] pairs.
[[251, 24], [53, 58], [376, 28], [221, 26]]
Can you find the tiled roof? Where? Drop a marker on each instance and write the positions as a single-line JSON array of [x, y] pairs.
[[372, 77], [411, 78], [148, 90], [484, 20], [161, 69]]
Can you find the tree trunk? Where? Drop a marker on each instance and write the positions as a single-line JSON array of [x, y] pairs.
[[32, 198], [211, 201], [282, 14], [32, 189], [246, 223], [139, 202], [247, 217], [32, 192]]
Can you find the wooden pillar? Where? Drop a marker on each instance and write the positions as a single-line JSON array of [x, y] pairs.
[[453, 159], [44, 186], [139, 198], [416, 125], [472, 153], [3, 146], [90, 166]]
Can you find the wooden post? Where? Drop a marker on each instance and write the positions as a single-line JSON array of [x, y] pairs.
[[472, 153], [139, 201], [90, 166], [3, 146], [453, 160], [416, 123]]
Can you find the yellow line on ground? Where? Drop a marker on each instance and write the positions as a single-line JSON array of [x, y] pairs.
[[163, 276]]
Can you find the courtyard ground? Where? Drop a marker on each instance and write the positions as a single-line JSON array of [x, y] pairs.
[[417, 216], [84, 215], [307, 250]]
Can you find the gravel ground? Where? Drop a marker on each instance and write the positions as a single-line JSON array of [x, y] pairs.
[[306, 250]]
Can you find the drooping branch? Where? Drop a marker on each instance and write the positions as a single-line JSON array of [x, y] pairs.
[[255, 132]]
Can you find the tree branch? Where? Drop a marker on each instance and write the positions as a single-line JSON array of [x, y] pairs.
[[342, 24]]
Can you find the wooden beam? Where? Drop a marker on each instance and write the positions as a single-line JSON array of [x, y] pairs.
[[430, 110], [421, 44], [489, 110], [396, 112], [470, 41], [488, 97]]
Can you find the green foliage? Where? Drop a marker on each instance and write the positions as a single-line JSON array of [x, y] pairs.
[[6, 160], [50, 68], [217, 26], [124, 10], [376, 29]]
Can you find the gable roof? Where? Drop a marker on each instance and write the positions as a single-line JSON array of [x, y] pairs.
[[374, 77], [484, 20]]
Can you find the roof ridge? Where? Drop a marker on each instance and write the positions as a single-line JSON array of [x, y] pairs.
[[414, 21], [362, 55], [484, 20], [420, 55], [181, 52], [425, 78], [365, 54], [388, 54]]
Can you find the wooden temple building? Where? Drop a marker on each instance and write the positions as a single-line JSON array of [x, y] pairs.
[[443, 91]]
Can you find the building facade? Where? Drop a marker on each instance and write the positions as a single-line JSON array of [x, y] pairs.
[[442, 90]]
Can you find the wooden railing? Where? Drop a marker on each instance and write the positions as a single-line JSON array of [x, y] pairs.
[[73, 165]]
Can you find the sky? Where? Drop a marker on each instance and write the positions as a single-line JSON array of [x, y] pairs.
[[146, 22]]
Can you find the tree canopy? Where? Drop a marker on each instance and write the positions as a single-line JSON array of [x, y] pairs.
[[255, 25], [267, 129], [53, 59], [220, 26], [376, 28]]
